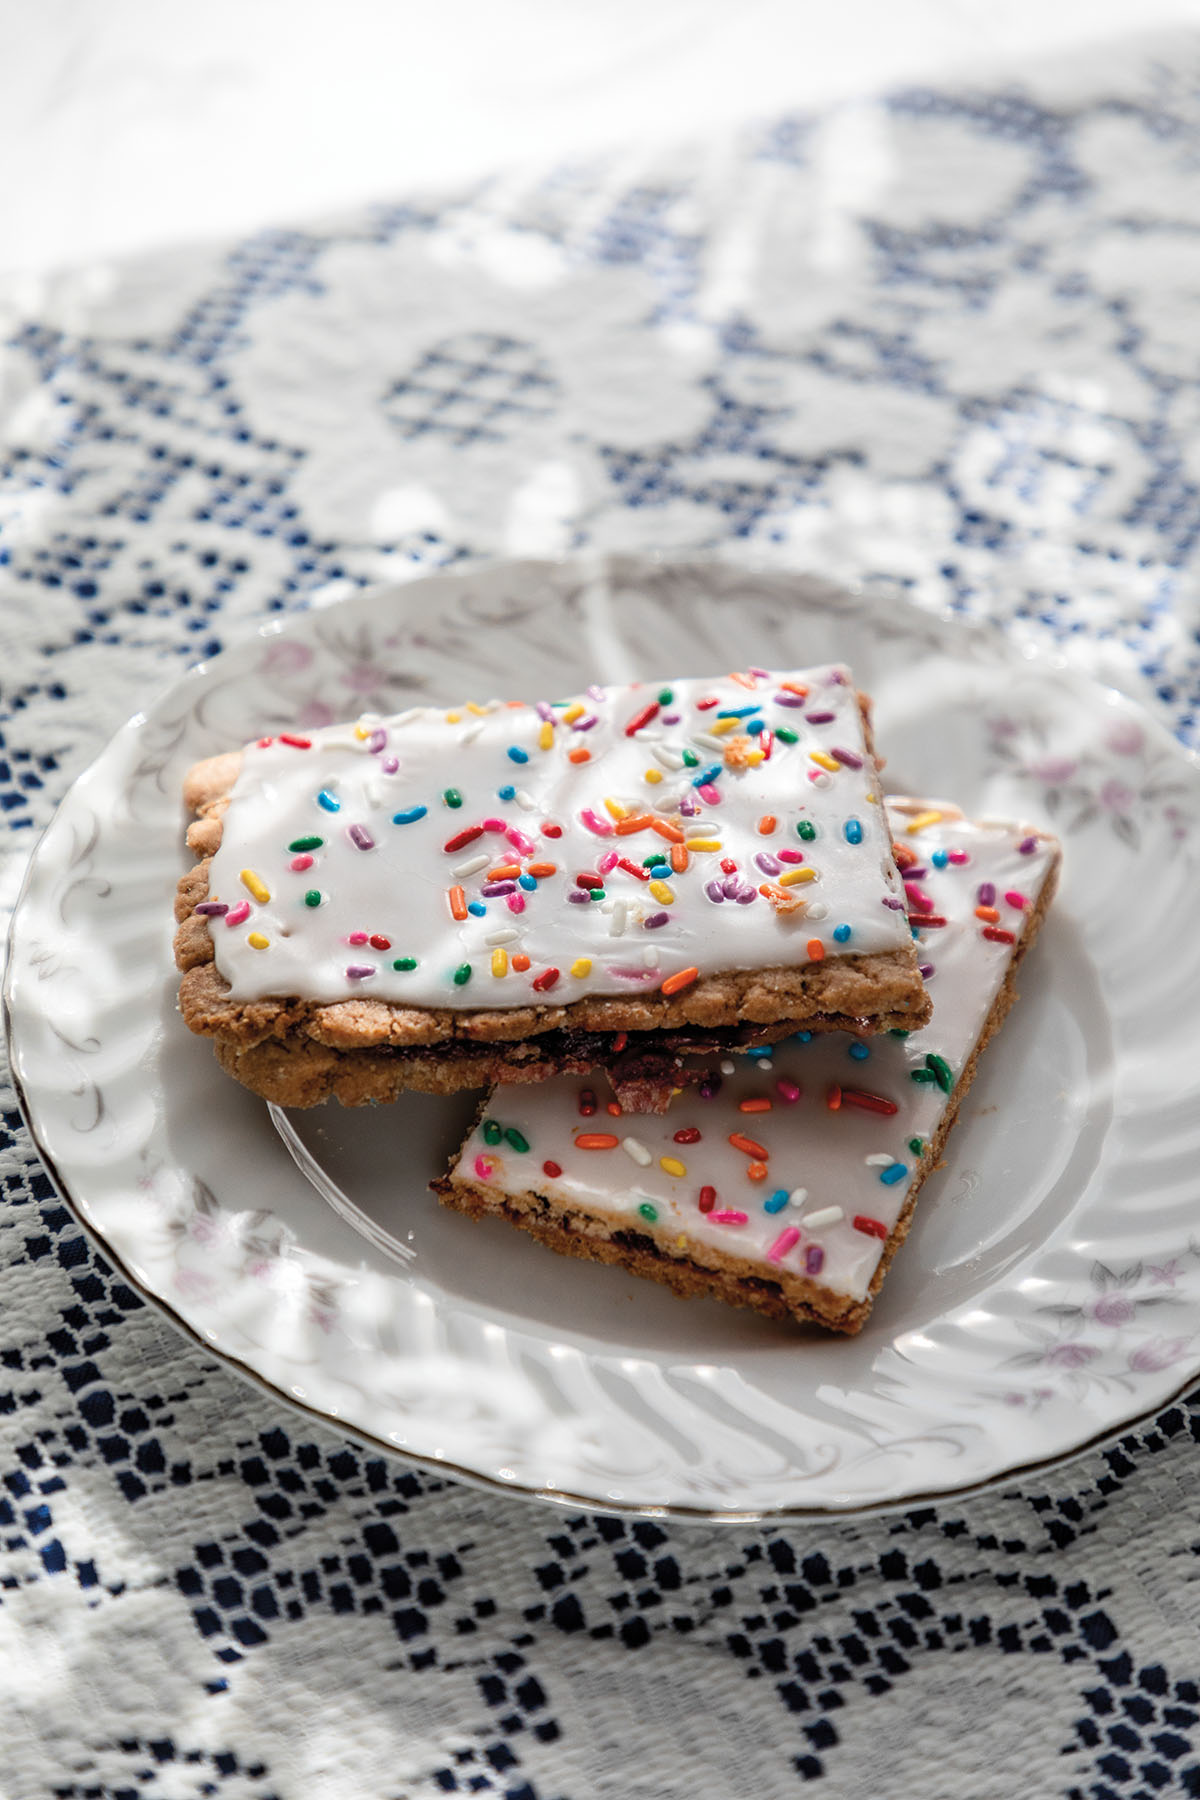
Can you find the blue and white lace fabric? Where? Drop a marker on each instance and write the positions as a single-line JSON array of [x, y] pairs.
[[948, 339]]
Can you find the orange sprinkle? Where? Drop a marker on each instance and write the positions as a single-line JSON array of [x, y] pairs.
[[504, 872], [748, 1147], [579, 756], [539, 869], [674, 983], [794, 687], [754, 1105], [614, 1109], [833, 1097], [757, 1171], [987, 912], [520, 962], [596, 1140], [664, 829], [746, 681], [816, 950], [679, 858], [458, 903], [639, 822], [767, 824]]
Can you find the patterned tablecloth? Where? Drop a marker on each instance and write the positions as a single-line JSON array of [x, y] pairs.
[[950, 338]]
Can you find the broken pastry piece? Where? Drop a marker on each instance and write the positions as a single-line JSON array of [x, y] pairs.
[[786, 1182], [454, 897]]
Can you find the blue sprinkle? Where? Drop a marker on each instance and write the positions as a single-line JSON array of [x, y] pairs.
[[859, 1051], [756, 727], [777, 1201], [409, 817], [516, 754], [707, 775], [330, 802], [660, 871], [738, 712], [892, 1175], [761, 1050], [940, 858], [853, 831], [506, 793], [804, 1037], [478, 908], [841, 933], [527, 881], [916, 930]]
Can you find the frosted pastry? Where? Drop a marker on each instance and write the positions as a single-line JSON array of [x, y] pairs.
[[786, 1181], [447, 898]]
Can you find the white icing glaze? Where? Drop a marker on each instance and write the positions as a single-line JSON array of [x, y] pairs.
[[396, 890], [826, 1161]]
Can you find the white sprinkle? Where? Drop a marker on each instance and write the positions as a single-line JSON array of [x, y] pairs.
[[637, 1150], [472, 732], [764, 1062], [797, 1197], [472, 863], [727, 1065], [827, 1215], [709, 740], [666, 758], [880, 1160], [650, 958], [819, 781], [372, 793], [649, 734], [616, 924], [495, 938], [524, 800], [816, 909]]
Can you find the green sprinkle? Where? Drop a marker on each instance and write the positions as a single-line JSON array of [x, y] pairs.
[[941, 1071], [313, 897], [646, 1211], [308, 843], [898, 1031], [405, 963], [691, 759], [598, 894], [655, 856], [492, 1132], [665, 696], [806, 830], [452, 797], [517, 1139], [462, 974], [921, 1075], [917, 1146], [787, 735]]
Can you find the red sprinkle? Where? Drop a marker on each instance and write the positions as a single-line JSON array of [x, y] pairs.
[[552, 831], [701, 705], [996, 936], [631, 868], [619, 1042], [643, 718], [587, 1103], [379, 942], [552, 1169], [297, 743], [463, 838], [545, 980], [708, 1199], [265, 743], [689, 1135], [728, 866], [868, 1102], [926, 921], [870, 1227], [747, 1146]]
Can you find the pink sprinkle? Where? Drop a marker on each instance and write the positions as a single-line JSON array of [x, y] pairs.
[[515, 902], [520, 842], [494, 825], [1012, 898], [299, 863], [731, 1218], [240, 911], [790, 856], [958, 857], [608, 861], [787, 1238], [920, 899], [709, 794], [484, 1167], [357, 937], [594, 824], [815, 775], [788, 1089]]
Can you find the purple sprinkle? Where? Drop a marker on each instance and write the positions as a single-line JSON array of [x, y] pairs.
[[715, 891], [670, 718], [986, 893], [359, 971], [925, 971], [730, 886], [710, 1087], [836, 678], [745, 895], [688, 807], [492, 890], [358, 834], [390, 764], [769, 865], [847, 757], [544, 710], [579, 896], [896, 905], [762, 674], [1027, 846], [917, 873], [820, 718], [377, 740], [596, 693], [213, 909], [787, 700], [584, 724], [814, 1259], [655, 920]]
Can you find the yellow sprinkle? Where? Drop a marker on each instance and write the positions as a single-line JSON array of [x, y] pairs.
[[479, 711], [826, 762], [791, 876], [361, 732], [545, 735], [258, 888], [754, 757], [719, 727], [615, 809], [257, 941], [704, 844], [454, 718], [681, 1243], [872, 798], [581, 966], [672, 1165], [662, 892], [653, 776], [572, 713], [922, 820], [499, 962]]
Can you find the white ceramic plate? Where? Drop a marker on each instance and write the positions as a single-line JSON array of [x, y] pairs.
[[1049, 1292]]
